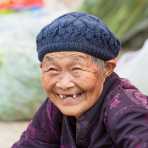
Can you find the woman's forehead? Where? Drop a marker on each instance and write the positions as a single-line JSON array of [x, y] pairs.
[[67, 54]]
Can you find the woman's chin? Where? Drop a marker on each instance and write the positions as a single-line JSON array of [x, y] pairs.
[[72, 111]]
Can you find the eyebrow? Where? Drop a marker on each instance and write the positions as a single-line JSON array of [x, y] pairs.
[[49, 58]]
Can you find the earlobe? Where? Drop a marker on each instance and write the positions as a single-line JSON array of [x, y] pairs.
[[40, 65], [110, 66]]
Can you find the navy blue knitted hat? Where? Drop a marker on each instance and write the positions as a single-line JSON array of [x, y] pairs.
[[80, 32]]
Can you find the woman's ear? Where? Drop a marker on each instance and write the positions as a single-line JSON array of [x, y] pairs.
[[110, 66], [40, 65]]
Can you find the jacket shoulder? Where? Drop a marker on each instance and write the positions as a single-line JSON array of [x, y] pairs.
[[126, 115]]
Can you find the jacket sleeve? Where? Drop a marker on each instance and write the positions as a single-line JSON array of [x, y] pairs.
[[127, 120], [41, 132]]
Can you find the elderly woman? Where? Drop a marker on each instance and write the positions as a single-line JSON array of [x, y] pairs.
[[88, 105]]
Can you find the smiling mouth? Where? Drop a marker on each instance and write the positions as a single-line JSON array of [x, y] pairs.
[[73, 96], [71, 99]]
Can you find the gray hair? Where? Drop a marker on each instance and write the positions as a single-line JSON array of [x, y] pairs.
[[98, 62]]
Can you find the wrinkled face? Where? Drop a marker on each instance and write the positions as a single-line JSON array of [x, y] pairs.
[[72, 81]]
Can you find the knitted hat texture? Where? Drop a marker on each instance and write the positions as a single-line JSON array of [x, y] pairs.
[[80, 32]]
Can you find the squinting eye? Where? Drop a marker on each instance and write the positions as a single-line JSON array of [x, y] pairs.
[[50, 69], [76, 68]]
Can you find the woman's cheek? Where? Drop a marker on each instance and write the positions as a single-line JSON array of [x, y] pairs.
[[88, 82], [45, 83]]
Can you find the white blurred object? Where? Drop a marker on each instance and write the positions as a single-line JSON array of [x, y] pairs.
[[20, 29], [133, 66]]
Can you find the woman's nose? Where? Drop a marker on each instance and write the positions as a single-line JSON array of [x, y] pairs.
[[65, 81]]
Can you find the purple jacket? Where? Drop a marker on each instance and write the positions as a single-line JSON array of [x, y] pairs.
[[118, 120]]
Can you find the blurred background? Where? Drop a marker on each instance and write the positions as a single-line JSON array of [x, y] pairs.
[[21, 20]]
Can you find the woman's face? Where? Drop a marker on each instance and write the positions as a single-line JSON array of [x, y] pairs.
[[72, 81]]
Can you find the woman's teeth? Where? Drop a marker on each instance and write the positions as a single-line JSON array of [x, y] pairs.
[[61, 96], [66, 96]]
